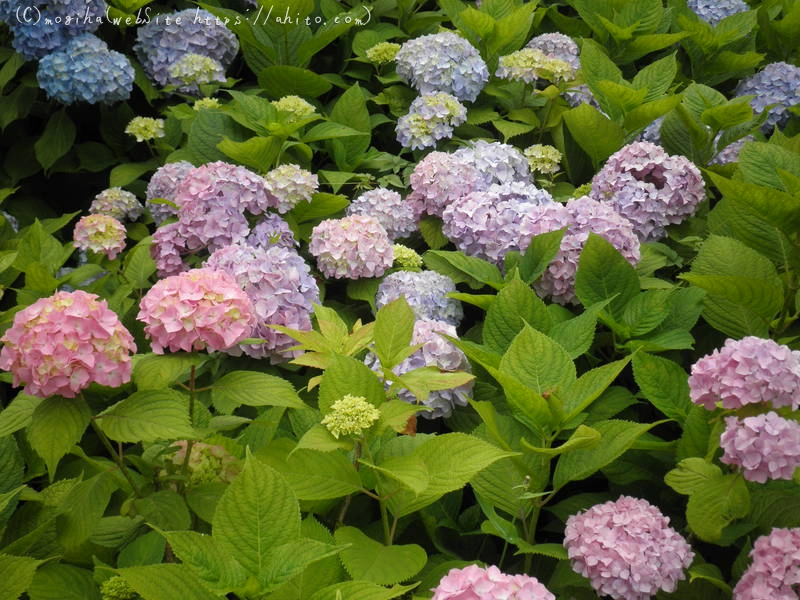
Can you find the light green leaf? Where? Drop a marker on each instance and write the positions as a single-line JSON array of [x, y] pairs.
[[576, 335], [589, 386], [691, 474], [360, 590], [408, 470], [63, 582], [582, 437], [258, 153], [347, 375], [287, 560], [18, 414], [604, 274], [166, 582], [514, 305], [253, 389], [715, 503], [372, 561], [57, 425], [16, 573], [283, 80], [394, 326], [147, 416], [595, 133], [156, 371], [165, 509], [464, 269], [205, 556], [538, 361], [539, 254], [664, 383], [86, 504]]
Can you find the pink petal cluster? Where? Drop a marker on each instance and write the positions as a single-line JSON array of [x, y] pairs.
[[61, 344], [439, 179], [164, 184], [118, 203], [393, 213], [288, 185], [271, 230], [100, 233], [198, 309], [649, 187], [775, 570], [747, 371], [627, 549], [765, 446], [478, 583], [354, 247]]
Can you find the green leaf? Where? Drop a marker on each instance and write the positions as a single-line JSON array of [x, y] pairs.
[[164, 509], [330, 131], [206, 557], [138, 266], [774, 506], [394, 326], [664, 383], [715, 503], [473, 271], [63, 582], [56, 426], [257, 512], [345, 376], [156, 371], [147, 416], [16, 573], [690, 474], [147, 549], [657, 77], [430, 228], [408, 470], [595, 133], [589, 386], [710, 573], [646, 311], [287, 560], [681, 133], [351, 110], [538, 362], [616, 438], [510, 129], [56, 140], [556, 551], [18, 414], [166, 582], [395, 415], [123, 174], [372, 561], [360, 590], [282, 80], [577, 334], [322, 205], [540, 253], [320, 439], [582, 437], [86, 503], [514, 305], [253, 389], [759, 164], [604, 274], [258, 153]]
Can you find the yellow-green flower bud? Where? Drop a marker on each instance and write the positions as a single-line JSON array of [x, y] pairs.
[[350, 416], [543, 159], [145, 128], [382, 53], [405, 257], [204, 103], [295, 105]]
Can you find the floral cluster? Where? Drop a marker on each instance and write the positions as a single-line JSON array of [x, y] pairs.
[[543, 159], [442, 62], [61, 344], [431, 118], [196, 69], [627, 549], [559, 46], [765, 446], [382, 53], [426, 294], [405, 257], [496, 162], [350, 416], [116, 588], [204, 103], [775, 571], [295, 106], [439, 179], [101, 234], [118, 203], [164, 185], [288, 185], [396, 216], [531, 64], [196, 310], [713, 11], [778, 83], [478, 583], [271, 230], [145, 129], [207, 463], [354, 246]]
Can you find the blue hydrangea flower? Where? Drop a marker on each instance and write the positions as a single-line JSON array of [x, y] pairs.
[[431, 117], [159, 44], [442, 62], [496, 162], [53, 23], [85, 70], [426, 294], [713, 11], [35, 40], [777, 83]]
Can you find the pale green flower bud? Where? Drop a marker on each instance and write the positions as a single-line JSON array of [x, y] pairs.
[[405, 257], [204, 103], [295, 105], [145, 128], [350, 416], [382, 53], [543, 159]]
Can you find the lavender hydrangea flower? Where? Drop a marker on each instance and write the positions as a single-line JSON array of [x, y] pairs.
[[85, 70], [476, 583], [431, 118], [426, 294], [396, 216], [775, 570], [442, 62], [559, 46], [279, 283], [288, 185], [764, 447], [436, 352], [649, 187], [496, 162], [730, 153], [747, 371], [627, 549], [439, 179], [164, 184], [166, 39], [167, 250], [353, 247], [777, 83], [271, 230], [713, 11], [118, 203]]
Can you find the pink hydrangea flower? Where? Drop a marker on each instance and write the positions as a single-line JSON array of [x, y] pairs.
[[395, 215], [61, 344], [118, 203], [195, 310], [775, 570], [439, 179], [354, 247], [478, 583], [627, 549], [101, 234], [747, 371], [167, 250], [764, 447]]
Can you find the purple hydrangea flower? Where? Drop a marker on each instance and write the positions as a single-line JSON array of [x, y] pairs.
[[439, 179], [355, 246], [747, 371], [271, 230], [279, 283], [627, 549], [167, 249], [164, 184], [442, 62], [85, 70], [396, 216], [436, 352], [649, 187], [777, 83], [764, 447], [431, 118], [730, 153], [496, 162], [713, 11], [118, 203], [476, 583], [558, 46], [775, 571], [287, 185], [167, 38], [426, 294]]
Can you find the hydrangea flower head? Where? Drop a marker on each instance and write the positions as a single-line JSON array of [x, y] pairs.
[[294, 105], [38, 39], [442, 62], [765, 446], [204, 103], [713, 11], [101, 234], [279, 284], [355, 246], [405, 257], [560, 46], [382, 53], [478, 583], [196, 69], [496, 162], [145, 129], [543, 159], [116, 588], [85, 70], [531, 64], [164, 184], [396, 216], [627, 549], [431, 118], [167, 250], [118, 203], [196, 310], [439, 179], [271, 230], [777, 83], [288, 185], [426, 294], [58, 21], [350, 416], [61, 344], [747, 371], [775, 571], [649, 187], [730, 153], [208, 463]]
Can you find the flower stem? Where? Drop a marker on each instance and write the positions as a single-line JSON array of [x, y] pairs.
[[116, 457]]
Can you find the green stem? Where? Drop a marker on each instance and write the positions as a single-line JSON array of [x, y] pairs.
[[348, 499], [189, 443], [387, 530], [531, 536], [116, 457]]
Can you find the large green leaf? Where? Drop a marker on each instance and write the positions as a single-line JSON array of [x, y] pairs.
[[147, 416], [715, 503], [155, 371], [167, 582], [360, 590], [345, 376], [18, 414], [287, 560], [538, 361], [394, 326], [57, 139], [372, 561], [604, 274], [580, 394], [87, 503], [595, 133], [473, 271], [63, 582], [252, 388], [204, 555], [283, 80], [514, 305], [56, 426], [664, 383], [16, 573]]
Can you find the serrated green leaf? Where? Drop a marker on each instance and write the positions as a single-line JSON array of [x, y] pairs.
[[394, 326], [18, 414], [577, 334], [360, 590], [473, 271], [282, 80], [252, 388], [56, 426], [589, 386], [218, 569], [320, 439], [166, 582], [147, 416], [690, 474], [345, 376], [604, 274], [87, 502], [582, 437], [715, 503], [514, 305], [408, 470], [595, 133], [664, 383], [63, 582], [56, 140], [369, 560], [538, 361], [540, 252], [258, 153], [156, 371], [165, 509], [16, 573], [287, 560]]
